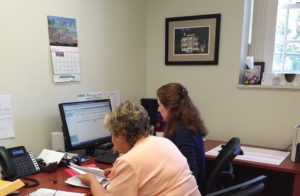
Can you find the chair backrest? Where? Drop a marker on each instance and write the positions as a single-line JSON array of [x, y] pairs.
[[228, 152], [251, 187]]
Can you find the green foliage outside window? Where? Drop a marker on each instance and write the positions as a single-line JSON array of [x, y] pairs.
[[287, 39]]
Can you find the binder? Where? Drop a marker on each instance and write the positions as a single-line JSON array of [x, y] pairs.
[[7, 187]]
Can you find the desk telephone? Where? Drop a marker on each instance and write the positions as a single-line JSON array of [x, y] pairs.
[[16, 162]]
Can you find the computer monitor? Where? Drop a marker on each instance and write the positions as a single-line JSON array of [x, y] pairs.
[[151, 106], [83, 126]]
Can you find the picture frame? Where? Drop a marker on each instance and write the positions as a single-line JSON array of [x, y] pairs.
[[261, 67], [192, 40], [254, 76]]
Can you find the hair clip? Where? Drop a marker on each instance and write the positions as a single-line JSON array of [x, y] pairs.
[[185, 91]]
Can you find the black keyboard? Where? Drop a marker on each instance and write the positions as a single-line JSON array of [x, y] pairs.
[[103, 156]]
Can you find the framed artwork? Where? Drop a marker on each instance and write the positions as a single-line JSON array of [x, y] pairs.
[[254, 76], [192, 40], [260, 67]]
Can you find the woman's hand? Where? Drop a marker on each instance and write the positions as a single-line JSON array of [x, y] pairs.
[[91, 181], [107, 172], [87, 178]]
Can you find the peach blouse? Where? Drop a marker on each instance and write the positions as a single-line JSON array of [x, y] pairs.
[[154, 166]]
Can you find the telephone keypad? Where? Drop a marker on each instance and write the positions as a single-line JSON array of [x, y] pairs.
[[24, 165]]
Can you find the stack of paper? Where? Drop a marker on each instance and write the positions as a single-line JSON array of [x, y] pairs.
[[7, 187], [51, 192], [75, 181], [51, 156], [260, 155]]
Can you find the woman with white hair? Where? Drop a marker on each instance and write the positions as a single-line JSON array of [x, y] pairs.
[[149, 165]]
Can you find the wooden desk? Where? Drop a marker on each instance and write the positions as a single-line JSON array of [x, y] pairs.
[[286, 172], [46, 181], [278, 175]]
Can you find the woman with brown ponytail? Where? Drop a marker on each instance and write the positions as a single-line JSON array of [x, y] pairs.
[[184, 126]]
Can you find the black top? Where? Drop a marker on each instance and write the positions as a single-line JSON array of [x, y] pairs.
[[192, 147]]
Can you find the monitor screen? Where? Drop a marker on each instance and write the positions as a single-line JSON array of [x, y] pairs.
[[151, 106], [83, 125]]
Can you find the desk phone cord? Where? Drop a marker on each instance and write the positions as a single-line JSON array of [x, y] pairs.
[[27, 185]]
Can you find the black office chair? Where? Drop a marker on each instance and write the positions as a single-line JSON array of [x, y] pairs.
[[222, 175], [251, 187]]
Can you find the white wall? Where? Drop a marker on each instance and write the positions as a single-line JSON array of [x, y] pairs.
[[261, 117], [121, 47], [112, 44]]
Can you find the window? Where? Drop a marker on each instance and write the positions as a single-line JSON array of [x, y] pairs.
[[286, 58], [275, 37]]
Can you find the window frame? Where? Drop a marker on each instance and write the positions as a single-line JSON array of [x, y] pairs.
[[285, 41]]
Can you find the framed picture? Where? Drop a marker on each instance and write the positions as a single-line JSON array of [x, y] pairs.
[[254, 76], [192, 40], [260, 66]]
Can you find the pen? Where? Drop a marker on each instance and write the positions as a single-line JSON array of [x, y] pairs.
[[16, 192]]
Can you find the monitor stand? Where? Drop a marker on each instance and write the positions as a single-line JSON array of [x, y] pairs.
[[106, 156], [106, 146], [92, 151]]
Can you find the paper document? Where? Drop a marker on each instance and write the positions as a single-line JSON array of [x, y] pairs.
[[260, 155], [66, 63], [6, 123], [89, 96], [114, 97], [51, 192], [75, 181], [50, 156]]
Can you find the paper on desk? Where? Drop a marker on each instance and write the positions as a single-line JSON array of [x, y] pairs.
[[274, 157], [71, 172], [51, 192], [50, 156], [82, 170], [75, 181]]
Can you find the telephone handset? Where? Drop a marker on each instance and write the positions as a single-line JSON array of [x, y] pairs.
[[16, 162]]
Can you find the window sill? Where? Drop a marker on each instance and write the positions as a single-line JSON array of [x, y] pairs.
[[275, 87]]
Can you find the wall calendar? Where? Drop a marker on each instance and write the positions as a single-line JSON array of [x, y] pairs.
[[66, 63], [64, 49]]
